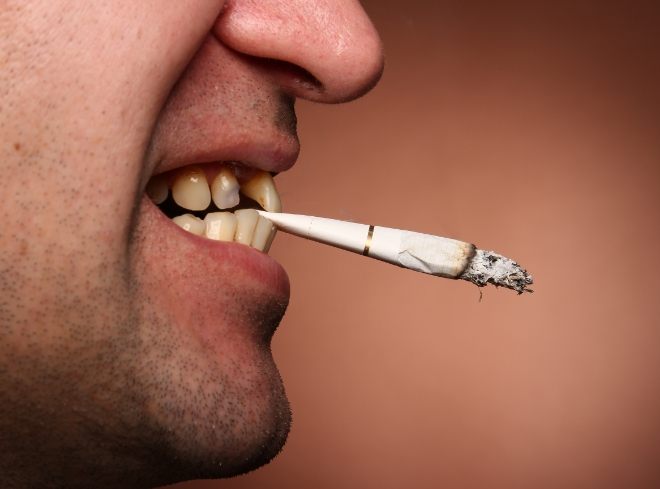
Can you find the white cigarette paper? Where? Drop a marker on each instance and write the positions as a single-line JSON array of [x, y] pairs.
[[435, 255]]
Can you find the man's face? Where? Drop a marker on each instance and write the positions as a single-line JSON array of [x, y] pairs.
[[133, 351]]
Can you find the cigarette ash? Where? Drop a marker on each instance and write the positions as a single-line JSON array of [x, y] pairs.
[[488, 267]]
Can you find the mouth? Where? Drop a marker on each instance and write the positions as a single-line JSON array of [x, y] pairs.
[[219, 201], [206, 250]]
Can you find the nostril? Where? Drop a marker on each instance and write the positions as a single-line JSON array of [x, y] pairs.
[[294, 80], [325, 51]]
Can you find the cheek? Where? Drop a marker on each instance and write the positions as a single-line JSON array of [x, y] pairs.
[[103, 73]]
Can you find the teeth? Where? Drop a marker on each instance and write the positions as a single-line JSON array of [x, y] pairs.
[[157, 189], [190, 223], [191, 190], [224, 189], [271, 238], [246, 226], [264, 233], [261, 188], [220, 226], [247, 222]]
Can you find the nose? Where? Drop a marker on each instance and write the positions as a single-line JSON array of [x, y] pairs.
[[322, 50]]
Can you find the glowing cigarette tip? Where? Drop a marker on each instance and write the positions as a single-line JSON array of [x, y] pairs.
[[435, 255]]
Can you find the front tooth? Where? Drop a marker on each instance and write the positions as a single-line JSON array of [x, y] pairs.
[[224, 189], [263, 234], [261, 188], [157, 189], [247, 222], [220, 226], [190, 223], [271, 238], [191, 190]]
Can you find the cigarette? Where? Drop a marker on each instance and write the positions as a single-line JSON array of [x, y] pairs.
[[435, 255]]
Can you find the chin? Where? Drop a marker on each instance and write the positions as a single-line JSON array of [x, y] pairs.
[[224, 439], [216, 418]]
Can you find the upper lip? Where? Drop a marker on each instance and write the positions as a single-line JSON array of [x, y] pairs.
[[274, 154]]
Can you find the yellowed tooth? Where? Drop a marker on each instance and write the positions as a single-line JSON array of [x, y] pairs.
[[269, 241], [190, 223], [220, 226], [262, 233], [224, 189], [247, 222], [261, 188], [191, 190], [157, 189]]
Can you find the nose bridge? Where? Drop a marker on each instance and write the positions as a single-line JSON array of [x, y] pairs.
[[333, 40]]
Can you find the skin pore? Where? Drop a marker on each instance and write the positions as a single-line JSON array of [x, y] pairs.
[[131, 354]]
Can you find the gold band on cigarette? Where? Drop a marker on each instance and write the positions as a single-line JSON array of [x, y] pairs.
[[367, 243]]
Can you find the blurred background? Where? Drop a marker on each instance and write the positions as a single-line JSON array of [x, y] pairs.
[[530, 128]]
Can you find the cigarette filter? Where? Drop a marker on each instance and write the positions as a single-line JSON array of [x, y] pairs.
[[435, 255]]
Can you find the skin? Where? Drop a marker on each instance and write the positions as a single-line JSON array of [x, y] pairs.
[[131, 354]]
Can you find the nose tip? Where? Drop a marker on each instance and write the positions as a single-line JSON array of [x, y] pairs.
[[349, 65], [332, 42]]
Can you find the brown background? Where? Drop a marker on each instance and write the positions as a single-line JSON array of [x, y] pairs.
[[528, 128]]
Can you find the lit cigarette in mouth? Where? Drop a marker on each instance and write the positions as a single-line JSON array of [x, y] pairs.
[[435, 255]]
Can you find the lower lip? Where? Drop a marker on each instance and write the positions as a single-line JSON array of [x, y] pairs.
[[200, 268]]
